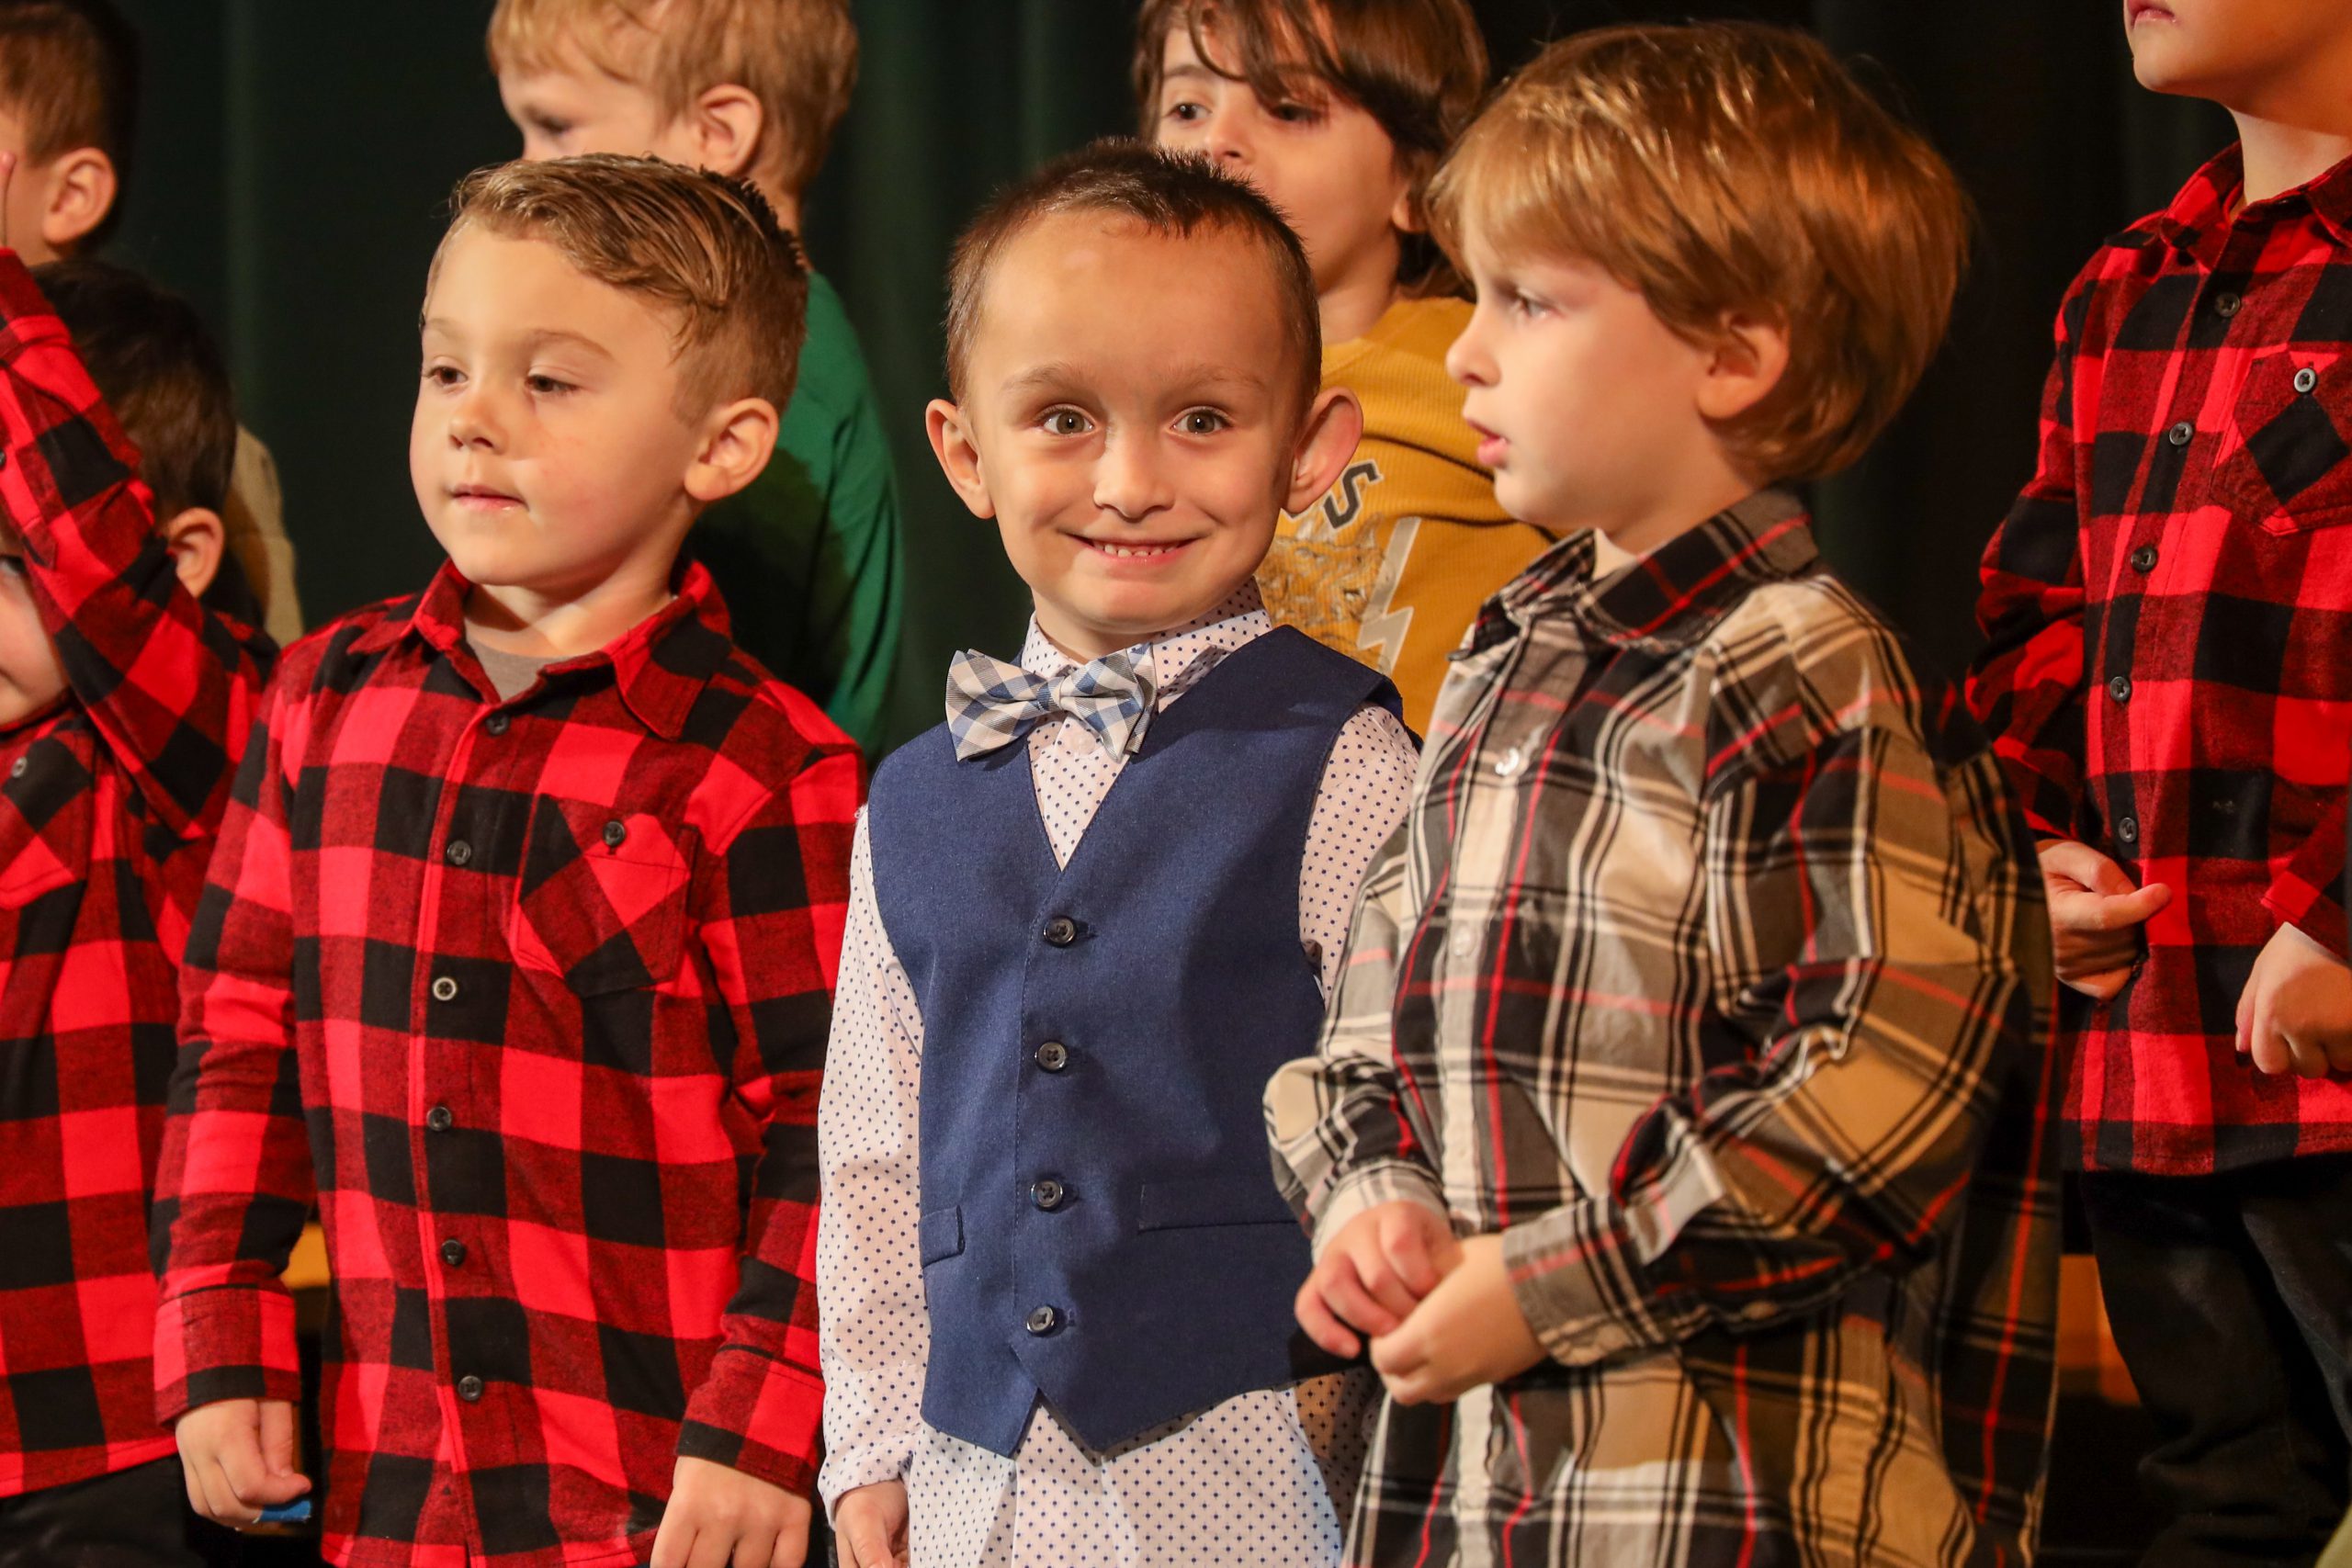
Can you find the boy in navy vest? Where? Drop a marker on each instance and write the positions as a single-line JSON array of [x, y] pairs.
[[1092, 912]]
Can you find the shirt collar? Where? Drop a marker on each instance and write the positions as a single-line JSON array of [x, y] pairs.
[[660, 665], [2201, 217], [1180, 657], [1669, 598]]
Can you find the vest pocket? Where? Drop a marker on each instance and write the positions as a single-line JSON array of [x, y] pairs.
[[941, 1233], [602, 902], [1211, 1200]]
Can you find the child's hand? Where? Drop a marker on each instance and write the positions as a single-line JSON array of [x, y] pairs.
[[2095, 916], [237, 1457], [2295, 1013], [1467, 1332], [870, 1526], [1374, 1273], [720, 1518]]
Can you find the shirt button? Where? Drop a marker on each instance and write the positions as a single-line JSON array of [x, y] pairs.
[[1510, 763], [2306, 378], [615, 832], [496, 723], [1046, 1194], [457, 851], [1061, 930], [17, 769], [438, 1119], [1464, 942], [453, 1253], [2143, 559], [1045, 1320], [2120, 688], [1053, 1055], [2227, 306], [445, 989], [2181, 433], [469, 1389], [2127, 830]]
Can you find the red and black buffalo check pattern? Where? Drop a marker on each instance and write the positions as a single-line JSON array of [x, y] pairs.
[[532, 998], [2169, 678], [109, 803]]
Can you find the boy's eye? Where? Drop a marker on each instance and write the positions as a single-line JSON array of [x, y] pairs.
[[12, 565], [1066, 422], [1296, 113], [556, 128], [443, 375], [1202, 422], [1184, 111], [545, 386]]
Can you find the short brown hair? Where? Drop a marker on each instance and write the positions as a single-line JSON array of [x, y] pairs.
[[1729, 167], [160, 372], [1417, 67], [797, 57], [1167, 193], [705, 246], [70, 71]]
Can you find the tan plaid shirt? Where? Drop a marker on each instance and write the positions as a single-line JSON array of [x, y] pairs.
[[1710, 969]]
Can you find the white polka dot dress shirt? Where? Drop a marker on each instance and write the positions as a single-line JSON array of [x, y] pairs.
[[1262, 1479]]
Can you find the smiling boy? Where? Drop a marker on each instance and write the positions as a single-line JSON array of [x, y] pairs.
[[1055, 1302], [517, 952]]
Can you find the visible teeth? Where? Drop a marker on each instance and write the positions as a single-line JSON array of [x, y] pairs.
[[1135, 550]]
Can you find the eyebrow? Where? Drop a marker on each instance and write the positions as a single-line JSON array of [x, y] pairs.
[[541, 338], [1043, 378]]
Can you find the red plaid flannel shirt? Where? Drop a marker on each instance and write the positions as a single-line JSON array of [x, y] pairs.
[[107, 807], [2169, 674], [532, 998]]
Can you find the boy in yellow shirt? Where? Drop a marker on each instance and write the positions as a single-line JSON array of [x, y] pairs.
[[1340, 116]]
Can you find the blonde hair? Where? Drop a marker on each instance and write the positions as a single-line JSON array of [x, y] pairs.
[[1729, 168], [797, 57], [703, 246], [1416, 67]]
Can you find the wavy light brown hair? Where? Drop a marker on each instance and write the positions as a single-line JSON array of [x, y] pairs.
[[1417, 67], [1727, 169], [797, 57], [703, 247]]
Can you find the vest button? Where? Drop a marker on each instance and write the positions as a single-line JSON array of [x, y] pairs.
[[496, 723], [1046, 1194], [616, 833], [438, 1120], [2120, 688], [457, 851], [1053, 1055], [2127, 829], [2143, 559], [1045, 1320], [1061, 930], [2181, 435], [453, 1253], [469, 1389]]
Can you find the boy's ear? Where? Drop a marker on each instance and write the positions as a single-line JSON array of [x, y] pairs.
[[1327, 439], [738, 440], [81, 190], [1751, 354], [958, 455], [196, 536], [725, 123]]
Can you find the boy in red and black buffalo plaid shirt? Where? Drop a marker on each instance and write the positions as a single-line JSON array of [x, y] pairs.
[[2169, 682], [517, 955], [124, 704]]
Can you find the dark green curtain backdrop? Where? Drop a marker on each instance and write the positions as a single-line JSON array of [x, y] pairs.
[[295, 155]]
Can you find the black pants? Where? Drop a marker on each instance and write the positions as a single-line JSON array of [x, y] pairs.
[[133, 1518], [2231, 1301]]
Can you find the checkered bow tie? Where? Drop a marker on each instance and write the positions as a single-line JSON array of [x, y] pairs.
[[992, 704]]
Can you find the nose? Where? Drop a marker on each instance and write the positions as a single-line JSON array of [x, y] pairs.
[[1467, 360], [1224, 138], [473, 419], [1130, 479]]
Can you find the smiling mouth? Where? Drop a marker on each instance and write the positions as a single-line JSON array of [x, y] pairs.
[[2144, 9], [1134, 552]]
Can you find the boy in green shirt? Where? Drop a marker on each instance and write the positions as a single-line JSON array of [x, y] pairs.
[[808, 557]]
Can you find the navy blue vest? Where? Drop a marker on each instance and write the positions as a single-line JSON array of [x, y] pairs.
[[1100, 1221]]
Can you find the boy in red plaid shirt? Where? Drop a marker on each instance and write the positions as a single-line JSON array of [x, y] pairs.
[[518, 952], [2169, 682], [124, 702]]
